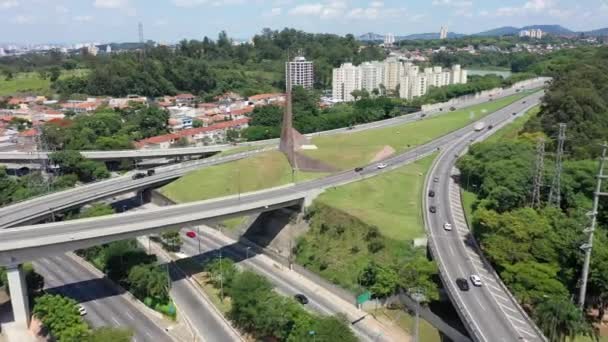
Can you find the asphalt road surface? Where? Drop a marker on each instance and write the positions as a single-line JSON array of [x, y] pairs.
[[105, 307], [489, 311]]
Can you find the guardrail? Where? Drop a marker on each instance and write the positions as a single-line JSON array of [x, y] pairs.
[[448, 284]]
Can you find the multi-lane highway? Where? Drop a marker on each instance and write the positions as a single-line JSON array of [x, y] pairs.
[[105, 306], [489, 312], [30, 242]]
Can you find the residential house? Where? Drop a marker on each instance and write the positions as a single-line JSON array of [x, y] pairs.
[[201, 136], [186, 99], [267, 99], [122, 103]]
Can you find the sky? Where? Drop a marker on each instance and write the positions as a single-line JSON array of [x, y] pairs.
[[70, 21]]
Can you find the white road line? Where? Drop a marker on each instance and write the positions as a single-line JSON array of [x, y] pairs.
[[501, 297], [116, 321], [525, 331], [508, 308], [451, 249], [515, 319], [129, 315], [479, 302]]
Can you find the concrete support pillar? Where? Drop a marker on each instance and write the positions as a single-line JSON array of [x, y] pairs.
[[19, 298]]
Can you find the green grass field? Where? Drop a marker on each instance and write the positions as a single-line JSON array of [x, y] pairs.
[[32, 83], [390, 201], [346, 151], [265, 170], [405, 321]]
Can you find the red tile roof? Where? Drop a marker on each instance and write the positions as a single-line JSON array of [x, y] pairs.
[[264, 96], [191, 132], [242, 111], [32, 132], [185, 96]]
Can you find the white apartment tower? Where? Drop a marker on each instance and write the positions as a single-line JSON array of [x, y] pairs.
[[392, 73], [443, 32], [389, 39], [299, 72], [345, 80], [372, 75]]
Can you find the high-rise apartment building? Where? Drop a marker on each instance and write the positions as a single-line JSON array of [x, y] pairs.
[[395, 75], [299, 72], [443, 32], [346, 79], [389, 39], [532, 33]]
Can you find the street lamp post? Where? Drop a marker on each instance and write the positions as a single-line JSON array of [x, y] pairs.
[[418, 297], [198, 238], [247, 252]]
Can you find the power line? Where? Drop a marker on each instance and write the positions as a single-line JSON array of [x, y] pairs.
[[538, 173], [587, 247], [555, 196]]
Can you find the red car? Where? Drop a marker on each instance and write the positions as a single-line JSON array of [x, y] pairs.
[[191, 234]]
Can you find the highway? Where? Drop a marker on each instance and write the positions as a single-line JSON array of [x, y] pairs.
[[30, 242], [104, 305], [41, 207], [489, 311], [285, 281]]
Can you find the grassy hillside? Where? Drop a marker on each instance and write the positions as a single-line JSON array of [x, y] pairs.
[[265, 170], [351, 150], [31, 83], [390, 201]]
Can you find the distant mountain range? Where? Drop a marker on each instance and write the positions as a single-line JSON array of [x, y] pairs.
[[557, 30]]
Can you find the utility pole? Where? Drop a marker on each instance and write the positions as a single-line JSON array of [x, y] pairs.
[[555, 196], [587, 247], [538, 173]]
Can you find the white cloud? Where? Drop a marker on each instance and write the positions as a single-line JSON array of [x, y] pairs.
[[273, 12], [189, 3], [111, 3], [453, 3], [340, 9], [23, 19], [160, 22], [83, 18], [533, 7], [6, 4], [216, 3]]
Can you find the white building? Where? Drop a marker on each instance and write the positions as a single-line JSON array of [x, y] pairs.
[[108, 48], [389, 39], [346, 79], [532, 33], [299, 72], [404, 79], [443, 32]]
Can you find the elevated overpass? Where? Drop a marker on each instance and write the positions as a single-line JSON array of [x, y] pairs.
[[22, 244]]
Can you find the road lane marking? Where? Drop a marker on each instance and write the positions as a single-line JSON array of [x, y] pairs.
[[501, 297], [508, 308], [116, 321], [515, 319], [451, 249], [479, 302]]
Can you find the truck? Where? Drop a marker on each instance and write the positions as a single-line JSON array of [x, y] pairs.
[[479, 126]]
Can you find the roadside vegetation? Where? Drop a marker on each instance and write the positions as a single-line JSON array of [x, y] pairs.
[[254, 307], [536, 250]]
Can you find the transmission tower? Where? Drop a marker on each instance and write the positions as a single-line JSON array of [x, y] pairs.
[[555, 196], [538, 173], [587, 247], [141, 32], [41, 148]]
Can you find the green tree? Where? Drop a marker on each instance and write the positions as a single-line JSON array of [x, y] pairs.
[[149, 281], [560, 320], [60, 316], [530, 282], [380, 280], [172, 241]]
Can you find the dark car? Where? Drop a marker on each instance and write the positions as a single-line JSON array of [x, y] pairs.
[[138, 175], [452, 109], [151, 172], [431, 193], [463, 284], [432, 209], [301, 298], [524, 102], [358, 169], [514, 113], [490, 127]]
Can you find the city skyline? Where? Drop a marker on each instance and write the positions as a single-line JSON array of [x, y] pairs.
[[69, 21]]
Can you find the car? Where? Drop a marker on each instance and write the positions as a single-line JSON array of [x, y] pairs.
[[358, 169], [524, 102], [81, 310], [436, 179], [514, 113], [452, 109], [490, 127], [301, 298], [381, 166], [476, 280], [431, 193], [151, 172], [463, 284], [138, 175], [191, 234], [433, 209], [350, 127], [447, 226]]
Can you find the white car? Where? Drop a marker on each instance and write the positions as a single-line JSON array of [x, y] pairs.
[[475, 279], [81, 310], [447, 226], [381, 166]]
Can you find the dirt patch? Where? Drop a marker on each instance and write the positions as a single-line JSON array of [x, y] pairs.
[[384, 153]]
